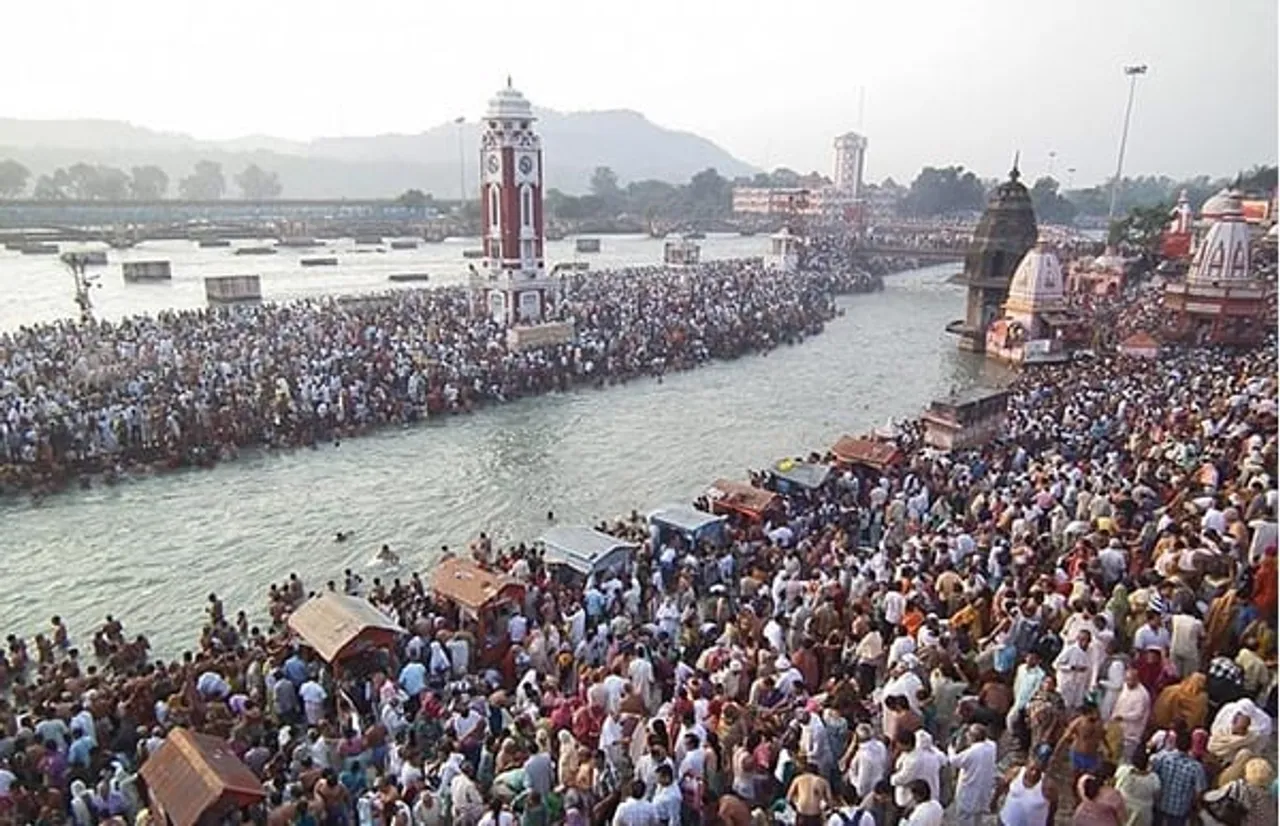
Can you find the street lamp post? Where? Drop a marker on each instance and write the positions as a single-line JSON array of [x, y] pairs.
[[1132, 72], [76, 265], [462, 170]]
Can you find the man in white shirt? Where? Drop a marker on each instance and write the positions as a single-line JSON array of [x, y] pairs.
[[635, 810], [517, 628], [1184, 643], [1151, 634], [313, 696], [977, 765], [870, 762], [894, 606], [640, 671], [1074, 671], [666, 798], [868, 651], [927, 811]]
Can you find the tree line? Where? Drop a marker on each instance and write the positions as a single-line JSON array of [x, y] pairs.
[[935, 192], [952, 190], [95, 182]]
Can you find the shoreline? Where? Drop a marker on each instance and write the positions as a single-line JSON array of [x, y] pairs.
[[1024, 383]]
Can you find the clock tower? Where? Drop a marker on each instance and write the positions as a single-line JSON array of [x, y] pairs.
[[514, 286]]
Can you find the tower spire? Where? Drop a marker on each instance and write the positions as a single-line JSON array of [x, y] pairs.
[[1014, 174], [508, 80]]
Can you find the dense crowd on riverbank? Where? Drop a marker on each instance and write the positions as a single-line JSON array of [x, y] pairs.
[[194, 387], [1078, 619]]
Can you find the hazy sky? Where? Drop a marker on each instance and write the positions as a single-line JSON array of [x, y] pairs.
[[964, 81]]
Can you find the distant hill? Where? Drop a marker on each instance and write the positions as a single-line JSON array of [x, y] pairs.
[[380, 165]]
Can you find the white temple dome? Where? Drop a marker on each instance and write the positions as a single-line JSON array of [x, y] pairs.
[[1224, 254], [1222, 203], [1038, 280], [507, 102]]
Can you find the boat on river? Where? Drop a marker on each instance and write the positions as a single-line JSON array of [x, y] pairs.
[[91, 257], [409, 276], [256, 250], [328, 261], [473, 253], [587, 245], [404, 244]]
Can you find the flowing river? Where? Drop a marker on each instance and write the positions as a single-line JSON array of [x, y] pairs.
[[149, 551]]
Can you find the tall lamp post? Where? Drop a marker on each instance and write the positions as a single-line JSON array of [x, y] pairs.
[[76, 265], [1132, 72], [462, 170]]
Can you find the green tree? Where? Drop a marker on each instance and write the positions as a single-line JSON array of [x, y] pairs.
[[1260, 179], [87, 182], [1142, 227], [13, 178], [784, 177], [205, 183], [147, 183], [709, 194], [54, 187], [604, 183], [414, 199], [256, 184], [650, 198], [942, 191], [1051, 207]]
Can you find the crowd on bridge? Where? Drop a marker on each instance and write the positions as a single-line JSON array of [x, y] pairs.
[[194, 387], [1073, 623]]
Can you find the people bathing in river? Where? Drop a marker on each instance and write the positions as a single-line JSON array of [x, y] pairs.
[[801, 672]]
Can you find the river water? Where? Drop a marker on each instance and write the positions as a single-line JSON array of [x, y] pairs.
[[150, 550], [39, 288]]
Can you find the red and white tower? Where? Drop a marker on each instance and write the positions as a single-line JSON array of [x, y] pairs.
[[514, 286]]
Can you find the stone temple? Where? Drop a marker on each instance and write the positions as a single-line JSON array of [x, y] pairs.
[[1004, 235]]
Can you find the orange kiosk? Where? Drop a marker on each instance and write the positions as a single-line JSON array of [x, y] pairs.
[[484, 599], [752, 503]]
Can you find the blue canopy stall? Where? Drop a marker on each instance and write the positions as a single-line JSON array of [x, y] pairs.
[[586, 551], [690, 524], [791, 476]]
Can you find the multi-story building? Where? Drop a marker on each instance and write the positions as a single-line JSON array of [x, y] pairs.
[[769, 200]]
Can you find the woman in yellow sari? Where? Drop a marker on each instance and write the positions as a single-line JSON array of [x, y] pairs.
[[1187, 701]]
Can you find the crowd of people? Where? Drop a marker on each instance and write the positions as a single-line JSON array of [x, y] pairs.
[[1073, 623], [194, 387]]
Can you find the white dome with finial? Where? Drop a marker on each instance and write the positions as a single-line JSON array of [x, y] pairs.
[[1219, 204], [1037, 283], [507, 102], [1224, 254]]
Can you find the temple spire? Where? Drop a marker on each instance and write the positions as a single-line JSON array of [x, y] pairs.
[[508, 80], [1014, 174]]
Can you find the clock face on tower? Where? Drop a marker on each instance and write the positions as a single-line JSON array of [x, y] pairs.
[[493, 164], [526, 165]]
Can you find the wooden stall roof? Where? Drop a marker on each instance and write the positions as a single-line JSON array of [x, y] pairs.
[[863, 451], [811, 475], [741, 496], [331, 622], [467, 584], [191, 773], [971, 397], [1140, 340]]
